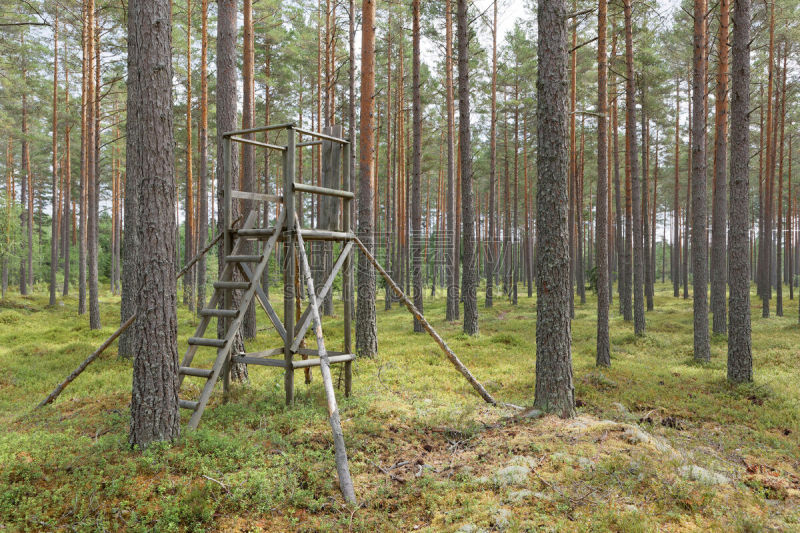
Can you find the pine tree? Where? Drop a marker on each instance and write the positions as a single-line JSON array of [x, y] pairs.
[[416, 230], [154, 400], [699, 239], [366, 325], [603, 357], [554, 387], [469, 284], [740, 359]]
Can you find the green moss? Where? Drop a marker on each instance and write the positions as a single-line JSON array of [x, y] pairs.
[[256, 462]]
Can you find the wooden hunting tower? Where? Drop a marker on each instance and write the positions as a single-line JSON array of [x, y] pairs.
[[242, 274]]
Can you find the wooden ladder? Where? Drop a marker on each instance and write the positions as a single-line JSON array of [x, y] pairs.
[[233, 317]]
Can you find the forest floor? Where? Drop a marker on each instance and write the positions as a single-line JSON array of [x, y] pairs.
[[660, 444]]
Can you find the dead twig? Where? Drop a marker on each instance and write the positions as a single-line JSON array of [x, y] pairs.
[[387, 472], [218, 482]]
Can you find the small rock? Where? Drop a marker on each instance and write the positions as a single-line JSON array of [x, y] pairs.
[[590, 424], [532, 413], [470, 528], [512, 475], [703, 475], [517, 496], [559, 456], [502, 519], [621, 408], [524, 460], [635, 435]]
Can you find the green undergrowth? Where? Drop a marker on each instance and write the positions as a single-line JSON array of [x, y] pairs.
[[425, 452]]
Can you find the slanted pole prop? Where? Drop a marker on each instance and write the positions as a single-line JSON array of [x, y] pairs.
[[342, 468], [77, 372], [425, 324]]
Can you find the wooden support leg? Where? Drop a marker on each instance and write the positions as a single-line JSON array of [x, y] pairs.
[[288, 318], [347, 285], [288, 267], [342, 468]]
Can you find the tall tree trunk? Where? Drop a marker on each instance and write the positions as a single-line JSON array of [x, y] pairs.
[[134, 154], [490, 248], [416, 230], [452, 310], [779, 213], [67, 194], [573, 91], [351, 121], [579, 249], [154, 400], [719, 220], [469, 282], [654, 229], [265, 279], [85, 77], [554, 387], [687, 216], [645, 213], [188, 221], [740, 359], [603, 356], [366, 326], [515, 209], [676, 205], [391, 156], [528, 236], [93, 179], [506, 204], [26, 191], [765, 264], [226, 121], [699, 199], [761, 185], [627, 268], [202, 142], [10, 199], [54, 217], [633, 164], [789, 230], [622, 274], [248, 170]]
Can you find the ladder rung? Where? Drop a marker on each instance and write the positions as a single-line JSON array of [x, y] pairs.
[[227, 313], [255, 232], [243, 258], [187, 404], [243, 285], [200, 341], [306, 363], [197, 372]]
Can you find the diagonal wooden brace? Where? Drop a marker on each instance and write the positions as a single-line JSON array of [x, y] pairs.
[[261, 296], [305, 319]]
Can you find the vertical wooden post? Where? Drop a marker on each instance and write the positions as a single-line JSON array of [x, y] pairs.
[[347, 276], [288, 268], [227, 249]]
